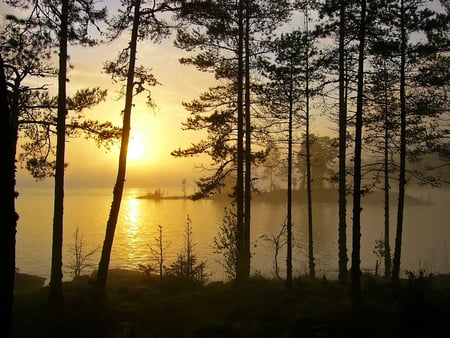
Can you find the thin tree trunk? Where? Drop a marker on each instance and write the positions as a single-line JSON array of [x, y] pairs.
[[289, 186], [8, 221], [402, 173], [356, 230], [240, 264], [120, 180], [312, 272], [161, 254], [189, 248], [342, 227], [248, 143], [56, 275], [387, 247]]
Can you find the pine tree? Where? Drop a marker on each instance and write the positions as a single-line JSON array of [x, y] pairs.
[[145, 24], [224, 32], [64, 23], [9, 217]]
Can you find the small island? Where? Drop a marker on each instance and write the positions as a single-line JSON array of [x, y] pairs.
[[158, 195]]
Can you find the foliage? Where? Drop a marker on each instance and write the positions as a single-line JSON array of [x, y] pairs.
[[38, 125], [380, 251], [323, 159], [212, 28], [157, 256], [80, 259], [279, 241], [157, 194], [213, 111], [145, 21], [186, 266], [271, 163], [152, 25], [417, 294], [261, 308], [27, 52], [225, 242]]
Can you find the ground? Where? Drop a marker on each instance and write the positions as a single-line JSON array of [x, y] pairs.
[[138, 306]]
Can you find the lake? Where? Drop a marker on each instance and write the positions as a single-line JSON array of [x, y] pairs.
[[425, 239]]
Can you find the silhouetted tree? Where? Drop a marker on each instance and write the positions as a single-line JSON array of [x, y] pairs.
[[183, 187], [225, 32], [27, 51], [271, 162], [435, 27], [56, 274], [356, 228], [342, 225], [338, 23], [64, 23], [186, 265], [157, 255], [241, 258], [278, 241], [425, 103], [381, 125], [145, 24], [291, 75], [323, 158], [308, 54], [225, 243], [27, 55], [284, 97], [80, 257], [8, 222], [9, 125]]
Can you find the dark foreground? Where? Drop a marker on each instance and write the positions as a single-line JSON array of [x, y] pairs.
[[138, 307]]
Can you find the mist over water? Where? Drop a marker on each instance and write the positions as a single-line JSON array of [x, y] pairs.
[[425, 239]]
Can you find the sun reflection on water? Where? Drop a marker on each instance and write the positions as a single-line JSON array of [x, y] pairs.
[[132, 229]]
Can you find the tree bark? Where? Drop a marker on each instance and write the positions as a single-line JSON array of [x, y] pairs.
[[387, 246], [289, 185], [56, 275], [342, 227], [248, 143], [356, 229], [402, 168], [312, 272], [8, 221], [120, 180], [240, 273]]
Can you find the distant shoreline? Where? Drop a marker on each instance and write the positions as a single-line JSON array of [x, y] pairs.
[[150, 196], [280, 196]]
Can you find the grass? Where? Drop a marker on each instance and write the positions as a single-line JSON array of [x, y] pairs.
[[136, 306]]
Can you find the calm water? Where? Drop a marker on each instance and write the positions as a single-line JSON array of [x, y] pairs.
[[425, 240]]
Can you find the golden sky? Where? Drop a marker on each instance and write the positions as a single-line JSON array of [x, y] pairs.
[[154, 134]]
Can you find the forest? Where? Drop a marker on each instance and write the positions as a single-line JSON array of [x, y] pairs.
[[377, 71]]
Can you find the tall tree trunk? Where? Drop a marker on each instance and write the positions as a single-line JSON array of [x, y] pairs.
[[120, 180], [56, 275], [289, 185], [356, 230], [342, 227], [8, 219], [312, 272], [248, 143], [240, 264], [387, 246], [402, 169]]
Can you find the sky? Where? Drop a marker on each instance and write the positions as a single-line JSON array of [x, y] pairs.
[[154, 133]]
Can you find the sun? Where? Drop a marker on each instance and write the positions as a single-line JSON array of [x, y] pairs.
[[136, 147]]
